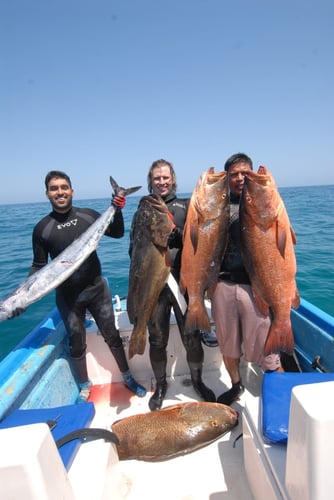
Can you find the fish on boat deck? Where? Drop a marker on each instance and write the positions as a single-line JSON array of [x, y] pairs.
[[150, 266], [173, 431], [267, 246], [204, 243]]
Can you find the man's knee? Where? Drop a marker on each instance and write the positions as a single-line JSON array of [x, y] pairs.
[[77, 351]]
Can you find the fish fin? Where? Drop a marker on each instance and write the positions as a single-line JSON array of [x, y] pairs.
[[177, 406], [211, 289], [295, 302], [197, 319], [272, 346], [183, 288], [281, 239], [120, 190], [293, 235], [173, 410], [279, 341], [168, 258], [137, 343], [194, 236], [260, 303]]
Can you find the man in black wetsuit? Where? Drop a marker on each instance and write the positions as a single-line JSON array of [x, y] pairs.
[[161, 180], [85, 288]]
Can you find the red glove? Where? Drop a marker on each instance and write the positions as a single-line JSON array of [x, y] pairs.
[[171, 216], [118, 200]]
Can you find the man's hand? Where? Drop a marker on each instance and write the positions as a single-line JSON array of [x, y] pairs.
[[118, 200]]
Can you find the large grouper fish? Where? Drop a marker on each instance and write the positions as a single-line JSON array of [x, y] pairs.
[[205, 238], [63, 266], [267, 245], [150, 266], [173, 431]]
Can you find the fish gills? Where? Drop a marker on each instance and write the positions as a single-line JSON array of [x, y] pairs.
[[267, 244], [172, 431], [149, 268], [205, 240]]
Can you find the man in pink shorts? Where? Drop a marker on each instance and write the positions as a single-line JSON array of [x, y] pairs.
[[240, 327]]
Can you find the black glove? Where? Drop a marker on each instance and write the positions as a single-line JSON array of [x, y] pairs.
[[175, 238]]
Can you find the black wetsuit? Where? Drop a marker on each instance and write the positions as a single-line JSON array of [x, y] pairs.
[[85, 288]]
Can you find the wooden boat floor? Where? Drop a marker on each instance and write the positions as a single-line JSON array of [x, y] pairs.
[[214, 472]]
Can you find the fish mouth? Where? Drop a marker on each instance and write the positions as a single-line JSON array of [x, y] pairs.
[[156, 202], [215, 176], [211, 177], [261, 177]]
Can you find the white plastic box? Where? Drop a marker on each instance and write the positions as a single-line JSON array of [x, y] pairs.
[[30, 465], [309, 464]]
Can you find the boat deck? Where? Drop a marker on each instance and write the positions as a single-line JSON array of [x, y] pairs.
[[38, 376], [213, 472], [230, 468]]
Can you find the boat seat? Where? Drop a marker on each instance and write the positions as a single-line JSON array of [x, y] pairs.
[[65, 419], [276, 398]]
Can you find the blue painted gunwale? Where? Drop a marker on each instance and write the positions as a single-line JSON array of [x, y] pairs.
[[37, 373]]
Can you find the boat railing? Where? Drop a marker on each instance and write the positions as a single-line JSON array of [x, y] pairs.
[[32, 360]]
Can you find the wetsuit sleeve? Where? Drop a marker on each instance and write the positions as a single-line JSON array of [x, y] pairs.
[[116, 227], [40, 252]]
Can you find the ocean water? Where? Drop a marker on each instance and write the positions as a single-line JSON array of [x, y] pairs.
[[311, 213]]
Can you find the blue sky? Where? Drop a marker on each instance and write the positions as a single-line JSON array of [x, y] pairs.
[[106, 87]]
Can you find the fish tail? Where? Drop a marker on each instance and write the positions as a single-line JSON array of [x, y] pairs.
[[137, 344], [279, 341], [288, 343], [197, 319], [120, 190]]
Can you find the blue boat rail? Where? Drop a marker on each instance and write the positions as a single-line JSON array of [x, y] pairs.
[[37, 372], [313, 331]]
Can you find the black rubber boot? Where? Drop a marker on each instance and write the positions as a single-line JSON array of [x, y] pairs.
[[228, 397], [158, 397], [159, 370], [196, 378], [80, 367]]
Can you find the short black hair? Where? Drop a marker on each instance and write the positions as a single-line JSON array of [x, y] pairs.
[[238, 158], [56, 174]]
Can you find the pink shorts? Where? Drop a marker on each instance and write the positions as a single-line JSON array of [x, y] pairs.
[[240, 327]]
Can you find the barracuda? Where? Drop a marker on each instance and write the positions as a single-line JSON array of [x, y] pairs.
[[59, 269]]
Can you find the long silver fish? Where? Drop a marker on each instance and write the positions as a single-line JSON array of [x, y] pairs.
[[59, 269]]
